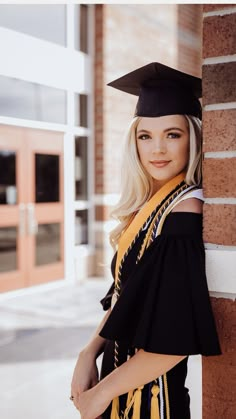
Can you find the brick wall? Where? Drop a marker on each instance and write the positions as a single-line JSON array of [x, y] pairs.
[[189, 27], [98, 99], [219, 130], [127, 37]]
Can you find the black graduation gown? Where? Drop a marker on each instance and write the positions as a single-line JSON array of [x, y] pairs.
[[164, 307]]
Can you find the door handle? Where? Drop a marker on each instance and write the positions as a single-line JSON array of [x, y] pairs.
[[32, 223], [22, 224]]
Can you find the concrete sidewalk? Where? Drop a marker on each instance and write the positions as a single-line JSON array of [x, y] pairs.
[[41, 335]]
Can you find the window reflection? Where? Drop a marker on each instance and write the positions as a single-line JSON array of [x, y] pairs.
[[81, 168], [81, 28], [21, 99], [81, 110], [42, 21], [47, 178], [48, 244], [81, 227], [8, 191], [8, 248]]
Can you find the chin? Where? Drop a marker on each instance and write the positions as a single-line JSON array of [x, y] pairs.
[[163, 176]]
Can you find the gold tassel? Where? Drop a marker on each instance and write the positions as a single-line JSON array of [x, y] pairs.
[[155, 414], [134, 402], [137, 403], [115, 409], [129, 397], [129, 404]]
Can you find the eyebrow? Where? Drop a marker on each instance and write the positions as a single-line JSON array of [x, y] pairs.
[[165, 130]]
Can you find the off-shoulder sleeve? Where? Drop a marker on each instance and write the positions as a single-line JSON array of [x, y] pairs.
[[165, 306], [106, 301]]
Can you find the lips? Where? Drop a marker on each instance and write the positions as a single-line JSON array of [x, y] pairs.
[[160, 163]]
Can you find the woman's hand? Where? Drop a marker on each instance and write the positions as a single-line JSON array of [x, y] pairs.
[[85, 374], [91, 403]]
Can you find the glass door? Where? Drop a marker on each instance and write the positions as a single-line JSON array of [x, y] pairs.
[[45, 207], [12, 209], [31, 207]]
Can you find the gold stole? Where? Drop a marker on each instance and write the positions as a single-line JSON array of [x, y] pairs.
[[134, 396], [130, 233]]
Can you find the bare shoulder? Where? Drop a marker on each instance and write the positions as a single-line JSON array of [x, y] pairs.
[[189, 205]]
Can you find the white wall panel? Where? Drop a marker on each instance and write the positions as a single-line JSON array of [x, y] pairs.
[[35, 60], [221, 270]]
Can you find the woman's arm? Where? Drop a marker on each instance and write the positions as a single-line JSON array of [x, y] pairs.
[[85, 373], [141, 369]]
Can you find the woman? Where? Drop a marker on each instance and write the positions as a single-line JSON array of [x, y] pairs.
[[158, 308]]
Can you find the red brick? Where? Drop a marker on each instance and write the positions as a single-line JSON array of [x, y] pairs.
[[219, 130], [219, 35], [99, 213], [219, 177], [189, 17], [218, 83], [219, 225], [215, 7], [102, 212], [189, 59], [219, 372]]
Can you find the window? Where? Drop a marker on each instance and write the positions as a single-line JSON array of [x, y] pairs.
[[8, 188], [21, 99], [81, 28], [46, 22], [81, 110], [81, 168], [46, 178], [81, 227]]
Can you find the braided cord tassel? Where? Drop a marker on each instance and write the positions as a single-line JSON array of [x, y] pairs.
[[166, 397], [115, 402], [155, 412], [137, 403]]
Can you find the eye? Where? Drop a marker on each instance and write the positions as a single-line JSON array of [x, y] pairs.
[[144, 137], [173, 135]]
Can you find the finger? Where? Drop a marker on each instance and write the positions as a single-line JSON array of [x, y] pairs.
[[76, 401]]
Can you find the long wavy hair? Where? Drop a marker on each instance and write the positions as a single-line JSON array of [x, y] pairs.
[[137, 184]]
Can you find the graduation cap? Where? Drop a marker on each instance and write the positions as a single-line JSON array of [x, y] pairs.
[[162, 90]]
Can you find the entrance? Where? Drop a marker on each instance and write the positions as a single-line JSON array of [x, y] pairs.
[[31, 207]]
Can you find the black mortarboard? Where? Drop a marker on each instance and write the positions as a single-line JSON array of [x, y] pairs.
[[162, 90]]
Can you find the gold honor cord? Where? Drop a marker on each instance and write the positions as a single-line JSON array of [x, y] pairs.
[[125, 243]]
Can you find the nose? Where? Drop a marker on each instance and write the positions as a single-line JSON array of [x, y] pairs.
[[159, 145]]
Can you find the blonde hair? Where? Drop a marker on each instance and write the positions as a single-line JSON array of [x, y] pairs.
[[137, 184]]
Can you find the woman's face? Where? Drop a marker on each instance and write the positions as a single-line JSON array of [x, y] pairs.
[[163, 146]]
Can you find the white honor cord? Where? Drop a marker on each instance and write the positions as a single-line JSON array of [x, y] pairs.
[[161, 398]]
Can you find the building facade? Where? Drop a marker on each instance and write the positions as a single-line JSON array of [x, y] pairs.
[[46, 143]]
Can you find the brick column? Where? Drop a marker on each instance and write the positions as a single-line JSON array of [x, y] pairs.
[[189, 27], [219, 147], [99, 101]]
